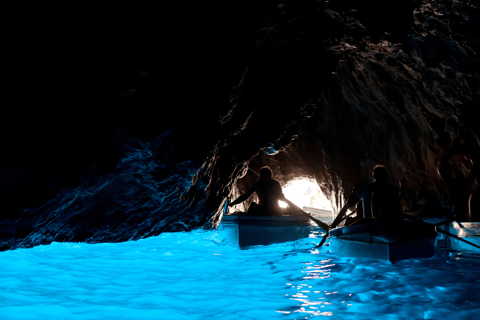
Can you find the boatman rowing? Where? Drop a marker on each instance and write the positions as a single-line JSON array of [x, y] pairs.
[[381, 201], [269, 192]]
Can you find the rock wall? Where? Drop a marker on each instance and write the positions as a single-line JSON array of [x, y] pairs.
[[335, 88], [108, 110], [132, 192]]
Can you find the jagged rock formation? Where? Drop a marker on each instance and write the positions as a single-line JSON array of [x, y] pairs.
[[335, 88], [131, 193], [107, 133], [88, 90]]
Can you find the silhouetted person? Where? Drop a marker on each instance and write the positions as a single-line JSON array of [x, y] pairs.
[[381, 200], [268, 191], [474, 204], [463, 190]]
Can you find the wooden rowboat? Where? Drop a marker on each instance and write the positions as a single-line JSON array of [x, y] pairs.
[[368, 241], [245, 230]]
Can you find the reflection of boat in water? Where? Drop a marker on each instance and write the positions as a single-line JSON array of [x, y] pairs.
[[368, 241], [245, 230], [469, 231]]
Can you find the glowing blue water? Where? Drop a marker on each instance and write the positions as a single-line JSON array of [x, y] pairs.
[[197, 276]]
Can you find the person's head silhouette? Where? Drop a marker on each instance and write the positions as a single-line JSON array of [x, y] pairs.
[[265, 173], [380, 174]]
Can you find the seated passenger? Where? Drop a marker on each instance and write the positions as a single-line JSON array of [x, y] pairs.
[[463, 188], [268, 191], [381, 200]]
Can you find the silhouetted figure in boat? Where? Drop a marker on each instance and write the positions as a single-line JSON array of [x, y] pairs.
[[268, 191], [464, 189], [381, 201]]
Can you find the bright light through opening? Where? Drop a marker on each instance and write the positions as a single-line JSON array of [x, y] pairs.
[[305, 193]]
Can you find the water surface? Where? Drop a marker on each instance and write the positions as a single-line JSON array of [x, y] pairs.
[[197, 275]]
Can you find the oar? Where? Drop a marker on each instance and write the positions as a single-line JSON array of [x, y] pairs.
[[323, 240], [339, 217], [337, 221], [456, 237], [328, 232], [321, 224], [225, 207], [448, 233], [254, 172]]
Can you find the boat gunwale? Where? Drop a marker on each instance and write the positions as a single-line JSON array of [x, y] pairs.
[[376, 234], [283, 218]]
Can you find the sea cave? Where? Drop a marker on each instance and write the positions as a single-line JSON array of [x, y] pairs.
[[132, 123]]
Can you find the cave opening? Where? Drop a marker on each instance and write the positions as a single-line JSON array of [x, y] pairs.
[[303, 192], [306, 194], [295, 170]]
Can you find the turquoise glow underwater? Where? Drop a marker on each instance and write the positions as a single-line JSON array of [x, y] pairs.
[[196, 275]]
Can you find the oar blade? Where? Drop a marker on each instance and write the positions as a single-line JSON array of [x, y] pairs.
[[323, 240]]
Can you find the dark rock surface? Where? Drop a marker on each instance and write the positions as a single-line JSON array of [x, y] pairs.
[[109, 110], [131, 193], [79, 81], [335, 88]]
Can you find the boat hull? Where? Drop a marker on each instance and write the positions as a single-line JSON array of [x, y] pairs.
[[366, 241], [246, 231]]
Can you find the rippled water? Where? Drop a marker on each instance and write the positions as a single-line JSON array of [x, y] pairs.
[[197, 275]]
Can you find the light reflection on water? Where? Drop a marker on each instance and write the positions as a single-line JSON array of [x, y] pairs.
[[197, 275]]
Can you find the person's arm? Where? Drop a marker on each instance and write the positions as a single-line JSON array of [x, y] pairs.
[[352, 201], [397, 206], [244, 196]]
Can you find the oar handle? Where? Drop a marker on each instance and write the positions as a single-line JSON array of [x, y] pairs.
[[254, 172], [340, 216], [226, 206], [337, 220]]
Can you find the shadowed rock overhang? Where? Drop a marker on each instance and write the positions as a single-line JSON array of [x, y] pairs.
[[329, 94]]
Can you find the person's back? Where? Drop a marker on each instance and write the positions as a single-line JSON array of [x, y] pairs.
[[385, 199], [386, 206], [381, 200], [268, 191]]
